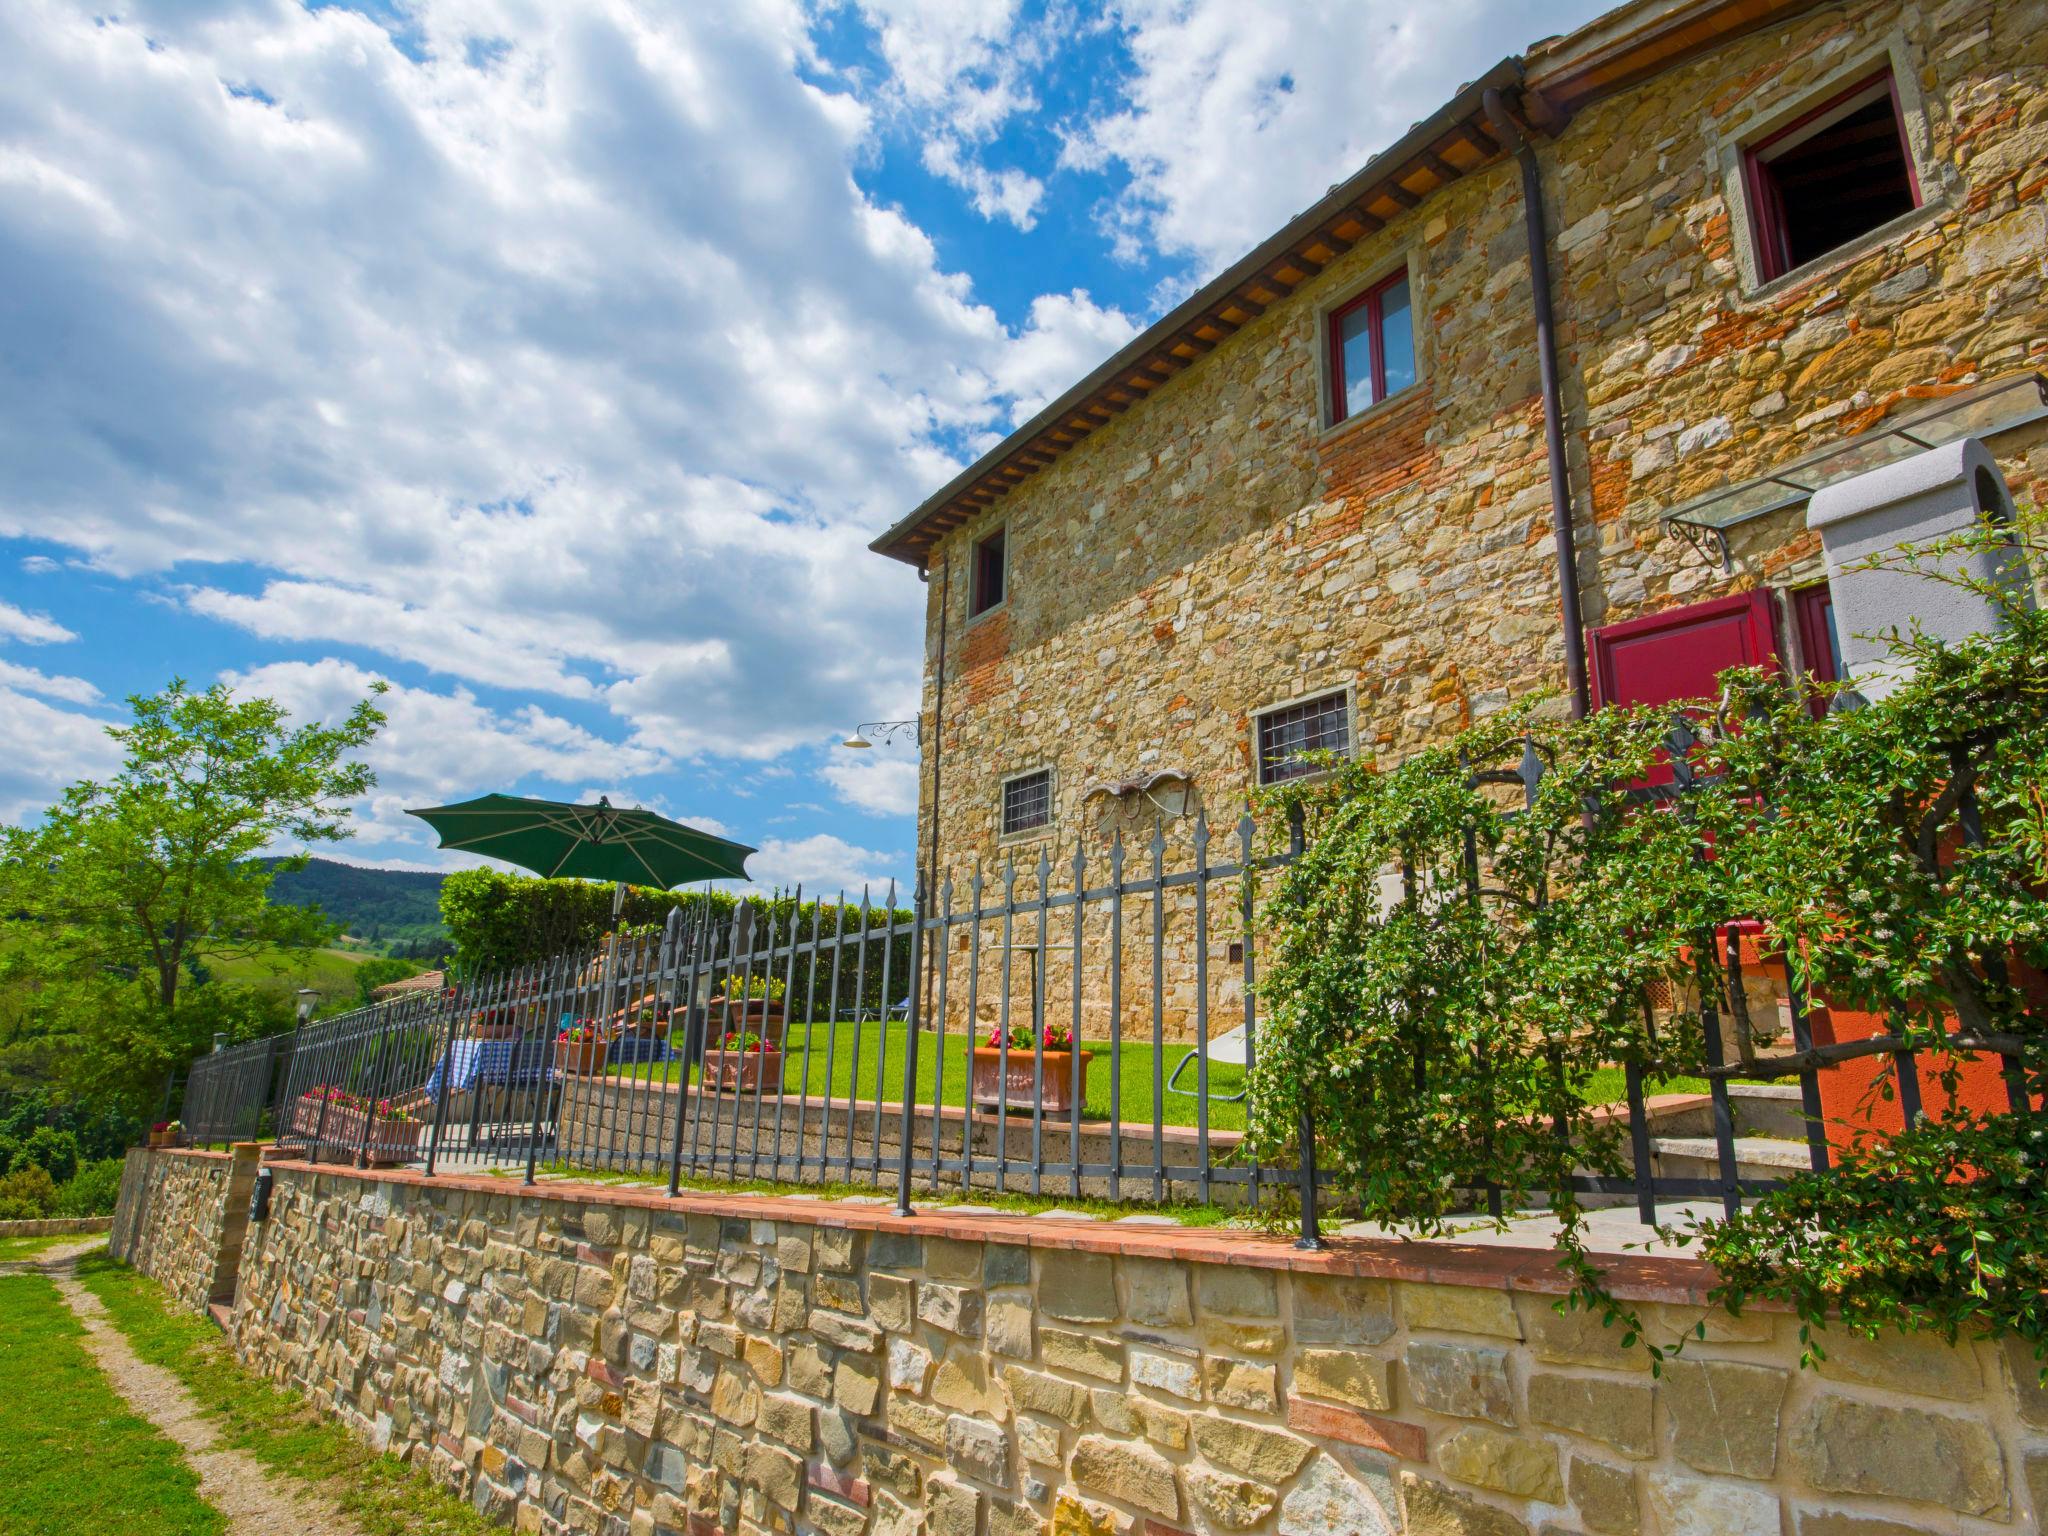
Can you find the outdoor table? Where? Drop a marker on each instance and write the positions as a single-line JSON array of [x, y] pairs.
[[473, 1062]]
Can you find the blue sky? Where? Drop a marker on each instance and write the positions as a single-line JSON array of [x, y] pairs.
[[554, 364]]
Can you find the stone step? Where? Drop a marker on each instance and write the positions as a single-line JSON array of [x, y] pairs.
[[1756, 1157], [1768, 1109]]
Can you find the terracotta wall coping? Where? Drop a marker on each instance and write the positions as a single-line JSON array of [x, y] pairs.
[[199, 1152], [1683, 1282]]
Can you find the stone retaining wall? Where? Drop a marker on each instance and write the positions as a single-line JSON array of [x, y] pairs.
[[583, 1359], [172, 1219]]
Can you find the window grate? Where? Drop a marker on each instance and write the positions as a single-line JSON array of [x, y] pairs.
[[1027, 803], [1287, 735]]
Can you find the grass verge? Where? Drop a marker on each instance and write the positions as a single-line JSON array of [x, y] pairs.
[[277, 1427], [72, 1457], [1186, 1213], [13, 1249]]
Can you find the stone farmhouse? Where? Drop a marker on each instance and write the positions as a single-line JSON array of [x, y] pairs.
[[1629, 296]]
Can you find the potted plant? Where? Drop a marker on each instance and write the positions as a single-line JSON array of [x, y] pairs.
[[997, 1088], [757, 1000], [493, 1024], [580, 1049], [647, 1017], [384, 1131], [742, 1060], [165, 1133]]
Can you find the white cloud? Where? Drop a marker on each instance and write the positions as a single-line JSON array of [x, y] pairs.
[[47, 748], [1068, 335], [584, 369], [825, 865], [880, 784], [1229, 129], [30, 628], [72, 690]]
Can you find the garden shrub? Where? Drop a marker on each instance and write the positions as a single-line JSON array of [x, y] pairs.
[[1449, 966], [26, 1194], [92, 1191], [53, 1151]]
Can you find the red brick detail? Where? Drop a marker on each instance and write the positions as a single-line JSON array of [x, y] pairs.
[[521, 1410], [452, 1444], [1408, 1441], [1385, 451], [831, 1480], [598, 1370], [981, 657], [702, 1525], [585, 1254]]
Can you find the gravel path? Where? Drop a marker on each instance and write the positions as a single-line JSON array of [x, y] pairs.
[[232, 1481]]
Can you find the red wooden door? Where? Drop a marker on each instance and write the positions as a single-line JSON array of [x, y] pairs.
[[1678, 653]]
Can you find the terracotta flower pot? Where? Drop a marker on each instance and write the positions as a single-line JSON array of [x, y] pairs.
[[1018, 1088], [581, 1058], [743, 1070], [753, 1011], [384, 1140]]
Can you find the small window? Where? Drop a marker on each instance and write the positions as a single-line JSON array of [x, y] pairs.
[[1837, 173], [1027, 803], [990, 571], [1287, 735], [1372, 348]]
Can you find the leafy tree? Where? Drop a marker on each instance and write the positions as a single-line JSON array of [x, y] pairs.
[[129, 888], [55, 1152], [383, 970]]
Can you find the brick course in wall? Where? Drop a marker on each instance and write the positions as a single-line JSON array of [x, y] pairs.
[[602, 1360], [1214, 551]]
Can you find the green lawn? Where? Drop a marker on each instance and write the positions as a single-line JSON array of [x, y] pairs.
[[807, 1069], [16, 1248], [330, 972], [277, 1427], [882, 1047], [73, 1459]]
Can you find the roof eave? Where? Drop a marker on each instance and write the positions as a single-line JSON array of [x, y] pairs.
[[1465, 107]]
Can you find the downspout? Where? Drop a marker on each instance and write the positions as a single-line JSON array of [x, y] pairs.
[[1511, 135], [931, 884]]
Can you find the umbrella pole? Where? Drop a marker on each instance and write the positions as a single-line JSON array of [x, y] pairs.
[[611, 954]]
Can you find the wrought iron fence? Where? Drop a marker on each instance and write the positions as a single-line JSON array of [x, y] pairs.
[[1014, 1031]]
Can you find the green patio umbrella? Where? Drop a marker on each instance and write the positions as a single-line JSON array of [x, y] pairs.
[[588, 842]]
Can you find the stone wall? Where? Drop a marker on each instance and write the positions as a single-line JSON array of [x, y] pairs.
[[1214, 551], [172, 1219], [597, 1360]]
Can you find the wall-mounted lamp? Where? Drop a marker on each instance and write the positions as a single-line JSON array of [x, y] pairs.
[[885, 730]]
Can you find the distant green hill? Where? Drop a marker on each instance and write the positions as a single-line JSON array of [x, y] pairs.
[[397, 911]]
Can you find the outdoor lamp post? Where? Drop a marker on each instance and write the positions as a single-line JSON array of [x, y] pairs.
[[309, 999]]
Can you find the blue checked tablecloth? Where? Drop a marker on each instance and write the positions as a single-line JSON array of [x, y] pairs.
[[526, 1063]]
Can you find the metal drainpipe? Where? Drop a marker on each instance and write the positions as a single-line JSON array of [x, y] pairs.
[[931, 884], [1553, 407]]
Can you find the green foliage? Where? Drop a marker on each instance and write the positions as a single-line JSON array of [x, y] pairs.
[[128, 890], [1451, 969], [53, 1151], [396, 910], [92, 1191], [27, 1193]]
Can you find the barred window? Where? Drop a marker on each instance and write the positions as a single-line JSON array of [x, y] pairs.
[[1027, 803], [1287, 735]]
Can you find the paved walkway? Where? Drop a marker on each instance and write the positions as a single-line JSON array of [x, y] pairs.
[[232, 1481]]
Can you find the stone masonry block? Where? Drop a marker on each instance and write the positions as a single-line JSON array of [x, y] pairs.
[[1229, 1503], [1237, 1291], [1464, 1380], [1270, 1455], [1061, 1349], [1459, 1309], [1846, 1445], [1922, 1366], [1077, 1287], [1521, 1465], [1575, 1336], [1007, 1324], [1035, 1392], [1326, 1499], [1242, 1384], [1724, 1415], [1605, 1497], [1701, 1506], [1611, 1409], [1156, 1292], [955, 1308], [1341, 1309], [1343, 1376], [1432, 1509], [1131, 1474], [1836, 1522], [1179, 1375], [891, 1301]]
